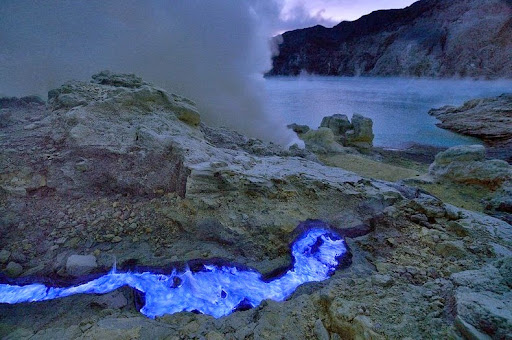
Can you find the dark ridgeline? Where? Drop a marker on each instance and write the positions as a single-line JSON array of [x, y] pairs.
[[432, 38]]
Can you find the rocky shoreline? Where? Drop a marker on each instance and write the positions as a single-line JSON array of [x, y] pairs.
[[489, 119], [118, 170]]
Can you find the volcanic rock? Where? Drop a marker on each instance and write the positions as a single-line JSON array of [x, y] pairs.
[[6, 102], [467, 164], [358, 133], [482, 297], [13, 269], [322, 140], [299, 129], [489, 119], [338, 123], [4, 255], [79, 265], [362, 133], [434, 38], [116, 155]]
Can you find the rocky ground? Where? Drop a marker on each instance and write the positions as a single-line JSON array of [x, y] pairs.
[[119, 170], [489, 119]]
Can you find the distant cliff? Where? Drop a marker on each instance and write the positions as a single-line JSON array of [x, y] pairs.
[[432, 38]]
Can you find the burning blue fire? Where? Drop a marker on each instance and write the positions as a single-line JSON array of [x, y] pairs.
[[217, 291]]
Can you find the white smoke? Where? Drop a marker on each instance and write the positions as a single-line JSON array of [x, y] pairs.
[[214, 52]]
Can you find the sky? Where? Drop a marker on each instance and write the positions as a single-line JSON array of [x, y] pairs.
[[305, 13]]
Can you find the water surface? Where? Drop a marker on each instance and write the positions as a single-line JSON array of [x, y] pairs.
[[398, 106]]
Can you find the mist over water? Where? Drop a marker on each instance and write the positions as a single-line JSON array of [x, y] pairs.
[[213, 52]]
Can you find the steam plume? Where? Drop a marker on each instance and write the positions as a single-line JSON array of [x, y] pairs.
[[213, 52]]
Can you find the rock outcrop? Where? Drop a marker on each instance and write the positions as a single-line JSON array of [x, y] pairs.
[[358, 133], [6, 102], [109, 168], [434, 38], [336, 131], [467, 165], [298, 129], [322, 140], [361, 134], [481, 296], [489, 119]]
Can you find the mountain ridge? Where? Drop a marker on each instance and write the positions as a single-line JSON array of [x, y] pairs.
[[433, 38]]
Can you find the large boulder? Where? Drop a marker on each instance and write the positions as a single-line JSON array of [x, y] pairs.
[[78, 265], [488, 118], [13, 269], [358, 133], [119, 131], [338, 123], [462, 153], [467, 164], [484, 301], [322, 140], [362, 133]]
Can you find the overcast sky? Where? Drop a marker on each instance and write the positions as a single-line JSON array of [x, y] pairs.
[[304, 13]]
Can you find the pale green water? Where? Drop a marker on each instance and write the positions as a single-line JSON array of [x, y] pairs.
[[398, 106]]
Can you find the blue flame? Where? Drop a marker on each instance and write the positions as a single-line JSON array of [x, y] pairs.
[[216, 291]]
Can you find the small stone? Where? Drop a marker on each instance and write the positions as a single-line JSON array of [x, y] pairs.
[[78, 265], [18, 257], [61, 240], [457, 229], [125, 215], [13, 269], [418, 218], [34, 270], [109, 237], [383, 280], [451, 248], [73, 242], [452, 213], [214, 336], [320, 332], [132, 226], [115, 204], [391, 241], [85, 327], [4, 255], [299, 129], [116, 239]]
